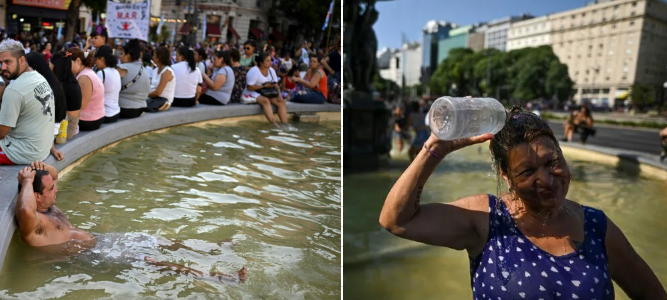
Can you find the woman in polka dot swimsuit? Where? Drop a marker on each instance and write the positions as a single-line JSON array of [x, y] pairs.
[[531, 242]]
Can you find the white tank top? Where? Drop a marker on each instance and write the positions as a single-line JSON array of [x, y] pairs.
[[168, 91]]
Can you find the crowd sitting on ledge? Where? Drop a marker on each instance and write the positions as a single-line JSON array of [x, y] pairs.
[[48, 98]]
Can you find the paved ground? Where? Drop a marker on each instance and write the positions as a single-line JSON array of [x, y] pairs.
[[626, 138]]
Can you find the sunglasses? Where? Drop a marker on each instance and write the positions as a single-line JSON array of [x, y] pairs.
[[247, 48]]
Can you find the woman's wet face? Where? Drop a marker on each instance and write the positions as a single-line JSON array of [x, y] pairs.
[[539, 174]]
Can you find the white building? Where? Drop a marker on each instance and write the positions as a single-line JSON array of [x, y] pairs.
[[529, 33], [496, 31], [411, 64], [392, 69], [610, 45]]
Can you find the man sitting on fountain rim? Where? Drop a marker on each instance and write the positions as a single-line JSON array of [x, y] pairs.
[[43, 226]]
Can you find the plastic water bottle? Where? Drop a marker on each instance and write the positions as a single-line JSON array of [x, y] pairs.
[[452, 118]]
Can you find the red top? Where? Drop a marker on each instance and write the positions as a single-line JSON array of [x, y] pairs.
[[289, 84], [322, 85], [47, 55]]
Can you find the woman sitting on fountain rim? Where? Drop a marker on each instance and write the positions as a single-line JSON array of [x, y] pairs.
[[530, 242]]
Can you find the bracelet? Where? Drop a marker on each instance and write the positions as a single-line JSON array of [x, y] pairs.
[[432, 153]]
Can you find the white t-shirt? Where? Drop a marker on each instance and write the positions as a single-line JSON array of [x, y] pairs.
[[287, 63], [255, 77], [111, 81], [304, 55], [169, 89], [202, 67], [186, 81], [149, 71]]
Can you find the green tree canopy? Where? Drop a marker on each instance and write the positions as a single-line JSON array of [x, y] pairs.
[[523, 74], [310, 14]]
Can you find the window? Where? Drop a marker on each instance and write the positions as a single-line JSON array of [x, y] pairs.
[[634, 3], [632, 23]]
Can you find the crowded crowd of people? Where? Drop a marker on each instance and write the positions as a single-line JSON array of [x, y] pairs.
[[50, 92]]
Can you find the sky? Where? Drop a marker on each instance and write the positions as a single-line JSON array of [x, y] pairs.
[[410, 16]]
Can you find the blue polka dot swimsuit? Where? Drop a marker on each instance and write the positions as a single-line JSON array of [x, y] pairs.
[[512, 267]]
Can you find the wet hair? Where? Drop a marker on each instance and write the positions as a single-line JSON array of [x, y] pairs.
[[261, 57], [38, 63], [234, 54], [62, 67], [106, 53], [224, 55], [78, 53], [162, 55], [520, 127], [37, 184], [133, 48], [202, 53], [189, 55], [251, 43]]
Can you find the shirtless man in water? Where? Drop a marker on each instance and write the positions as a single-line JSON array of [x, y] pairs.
[[44, 226]]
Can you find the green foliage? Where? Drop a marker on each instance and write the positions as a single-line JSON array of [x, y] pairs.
[[386, 88], [524, 74], [643, 96], [310, 14], [165, 34]]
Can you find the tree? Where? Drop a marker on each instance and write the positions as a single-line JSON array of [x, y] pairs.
[[523, 74], [386, 88], [310, 15], [97, 6], [643, 96]]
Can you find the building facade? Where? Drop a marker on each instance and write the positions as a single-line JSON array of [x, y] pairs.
[[458, 38], [391, 67], [610, 45], [411, 64], [433, 32], [497, 31], [227, 20], [529, 33], [476, 39]]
